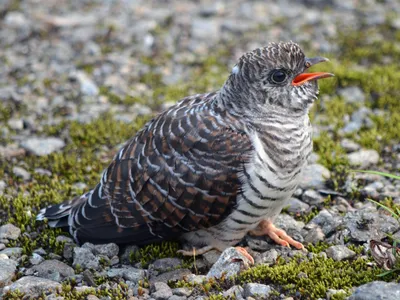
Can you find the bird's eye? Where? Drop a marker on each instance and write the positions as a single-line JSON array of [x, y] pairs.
[[278, 76]]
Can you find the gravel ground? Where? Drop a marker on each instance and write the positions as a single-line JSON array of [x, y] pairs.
[[77, 78]]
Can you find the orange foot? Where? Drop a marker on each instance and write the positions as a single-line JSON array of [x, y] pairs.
[[279, 236], [246, 254]]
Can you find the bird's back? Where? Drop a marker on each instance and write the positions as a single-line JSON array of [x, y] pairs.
[[178, 174]]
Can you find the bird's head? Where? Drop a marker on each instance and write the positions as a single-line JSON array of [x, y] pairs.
[[276, 76]]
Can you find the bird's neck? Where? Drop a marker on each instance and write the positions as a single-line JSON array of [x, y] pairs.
[[251, 107]]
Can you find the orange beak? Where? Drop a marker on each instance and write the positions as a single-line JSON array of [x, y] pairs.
[[304, 77]]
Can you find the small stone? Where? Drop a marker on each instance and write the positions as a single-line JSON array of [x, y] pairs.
[[363, 158], [36, 259], [196, 279], [175, 275], [64, 239], [340, 252], [54, 270], [42, 146], [89, 278], [327, 221], [128, 273], [366, 224], [85, 258], [312, 197], [257, 243], [16, 19], [160, 291], [314, 176], [42, 172], [175, 297], [297, 206], [182, 292], [10, 232], [33, 286], [108, 250], [13, 253], [314, 234], [7, 271], [235, 292], [2, 246], [167, 264], [3, 186], [352, 94], [377, 290], [257, 290], [16, 124], [92, 297], [68, 251], [211, 257], [21, 173], [268, 257], [88, 87], [349, 145], [230, 263]]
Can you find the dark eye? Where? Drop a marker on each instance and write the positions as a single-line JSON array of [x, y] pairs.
[[278, 76]]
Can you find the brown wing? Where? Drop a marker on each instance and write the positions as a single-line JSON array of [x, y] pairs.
[[179, 174]]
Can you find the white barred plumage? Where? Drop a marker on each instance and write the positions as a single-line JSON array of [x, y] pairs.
[[212, 168]]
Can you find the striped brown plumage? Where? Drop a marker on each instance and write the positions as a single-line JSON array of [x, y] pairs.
[[209, 169]]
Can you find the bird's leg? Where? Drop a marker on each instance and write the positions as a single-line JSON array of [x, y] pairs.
[[196, 251], [279, 236], [205, 249]]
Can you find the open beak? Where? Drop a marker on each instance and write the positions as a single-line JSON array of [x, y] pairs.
[[304, 77]]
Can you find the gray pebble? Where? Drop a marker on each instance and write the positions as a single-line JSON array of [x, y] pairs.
[[167, 264], [85, 258], [312, 197], [53, 270], [21, 173], [36, 259], [128, 273], [33, 286], [160, 291], [257, 290], [352, 94], [230, 263], [108, 250], [349, 145], [8, 268], [297, 206], [363, 158], [327, 221], [42, 146], [13, 253], [340, 252], [186, 292], [377, 290], [268, 257], [235, 292], [10, 232], [314, 176]]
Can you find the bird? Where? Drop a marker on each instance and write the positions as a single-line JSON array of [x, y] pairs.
[[212, 168]]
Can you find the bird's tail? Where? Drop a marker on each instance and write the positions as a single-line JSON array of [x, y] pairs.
[[58, 214]]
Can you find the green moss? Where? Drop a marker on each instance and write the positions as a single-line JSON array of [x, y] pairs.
[[151, 252], [322, 274], [80, 161], [317, 248]]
